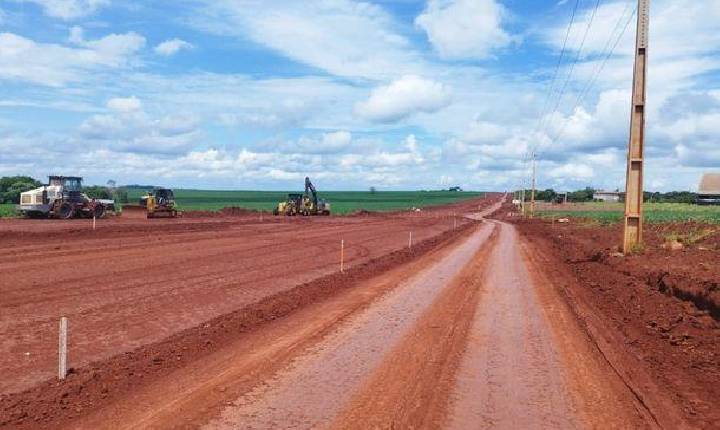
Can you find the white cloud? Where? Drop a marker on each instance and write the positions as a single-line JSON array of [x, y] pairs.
[[53, 64], [127, 128], [464, 28], [69, 9], [172, 47], [404, 97], [342, 37], [128, 104]]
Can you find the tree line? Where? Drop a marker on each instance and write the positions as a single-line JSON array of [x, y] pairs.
[[586, 195]]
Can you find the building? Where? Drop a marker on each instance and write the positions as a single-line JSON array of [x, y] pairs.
[[608, 196], [709, 189]]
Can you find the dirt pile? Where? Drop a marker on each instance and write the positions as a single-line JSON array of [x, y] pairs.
[[663, 303]]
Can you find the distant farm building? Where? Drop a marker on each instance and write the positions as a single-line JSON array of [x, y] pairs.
[[709, 189], [455, 189], [608, 196]]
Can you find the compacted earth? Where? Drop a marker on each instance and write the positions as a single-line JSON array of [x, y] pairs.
[[241, 320], [662, 303]]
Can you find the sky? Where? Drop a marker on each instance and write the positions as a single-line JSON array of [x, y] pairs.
[[398, 95]]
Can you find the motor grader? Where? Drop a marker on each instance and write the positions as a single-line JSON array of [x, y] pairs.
[[62, 198], [307, 204]]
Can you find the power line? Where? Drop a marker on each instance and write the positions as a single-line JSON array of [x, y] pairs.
[[577, 57], [596, 74], [557, 66]]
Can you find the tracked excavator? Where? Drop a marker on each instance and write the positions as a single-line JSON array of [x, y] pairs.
[[306, 204]]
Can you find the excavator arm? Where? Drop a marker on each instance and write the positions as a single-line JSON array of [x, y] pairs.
[[310, 190]]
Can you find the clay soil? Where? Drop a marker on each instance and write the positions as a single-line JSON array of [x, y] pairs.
[[133, 283], [659, 308]]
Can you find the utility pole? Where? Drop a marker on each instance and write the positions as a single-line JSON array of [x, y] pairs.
[[634, 175], [532, 194]]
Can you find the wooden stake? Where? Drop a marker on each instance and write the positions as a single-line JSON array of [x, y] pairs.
[[342, 255], [93, 222], [62, 349], [410, 241], [635, 159]]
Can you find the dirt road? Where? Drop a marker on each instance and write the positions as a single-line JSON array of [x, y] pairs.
[[464, 337]]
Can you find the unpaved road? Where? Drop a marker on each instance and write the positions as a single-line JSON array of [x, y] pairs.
[[471, 335]]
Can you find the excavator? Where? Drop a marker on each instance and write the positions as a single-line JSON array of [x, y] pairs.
[[306, 204]]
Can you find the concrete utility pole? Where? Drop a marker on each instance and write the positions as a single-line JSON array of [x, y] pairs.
[[532, 194], [634, 177]]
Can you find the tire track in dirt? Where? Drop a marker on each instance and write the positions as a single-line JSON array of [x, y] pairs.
[[528, 364], [318, 385]]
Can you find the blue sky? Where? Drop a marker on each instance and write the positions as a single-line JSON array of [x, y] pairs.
[[407, 94]]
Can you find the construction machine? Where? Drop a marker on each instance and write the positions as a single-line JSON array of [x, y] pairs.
[[161, 202], [62, 198], [306, 204]]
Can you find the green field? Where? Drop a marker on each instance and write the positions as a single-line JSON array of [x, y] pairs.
[[607, 213], [7, 210], [341, 202]]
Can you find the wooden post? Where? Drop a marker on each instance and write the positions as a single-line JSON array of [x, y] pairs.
[[410, 241], [62, 349], [342, 255], [532, 193], [635, 158], [93, 222]]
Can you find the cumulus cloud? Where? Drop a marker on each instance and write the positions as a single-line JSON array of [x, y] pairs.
[[128, 128], [464, 28], [404, 97], [69, 9], [172, 47], [53, 64]]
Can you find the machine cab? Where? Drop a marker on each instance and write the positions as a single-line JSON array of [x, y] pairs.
[[68, 183]]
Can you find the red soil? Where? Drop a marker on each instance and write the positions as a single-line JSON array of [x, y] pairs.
[[141, 294], [662, 305]]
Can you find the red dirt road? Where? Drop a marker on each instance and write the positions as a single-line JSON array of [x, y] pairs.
[[470, 332]]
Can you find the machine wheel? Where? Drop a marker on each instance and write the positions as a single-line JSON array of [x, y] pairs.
[[276, 212], [66, 211], [99, 211]]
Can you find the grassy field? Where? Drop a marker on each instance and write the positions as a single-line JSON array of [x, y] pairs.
[[7, 210], [341, 202], [608, 213]]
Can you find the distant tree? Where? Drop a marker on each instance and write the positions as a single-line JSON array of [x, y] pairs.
[[97, 192], [111, 183], [373, 190], [121, 195], [12, 186]]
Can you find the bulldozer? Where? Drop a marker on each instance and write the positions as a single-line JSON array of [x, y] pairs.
[[62, 198], [157, 203], [307, 204], [161, 202]]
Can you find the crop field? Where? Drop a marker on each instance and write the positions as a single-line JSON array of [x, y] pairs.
[[610, 213], [342, 202]]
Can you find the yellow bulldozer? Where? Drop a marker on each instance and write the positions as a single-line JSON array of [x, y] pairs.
[[306, 204], [159, 202]]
